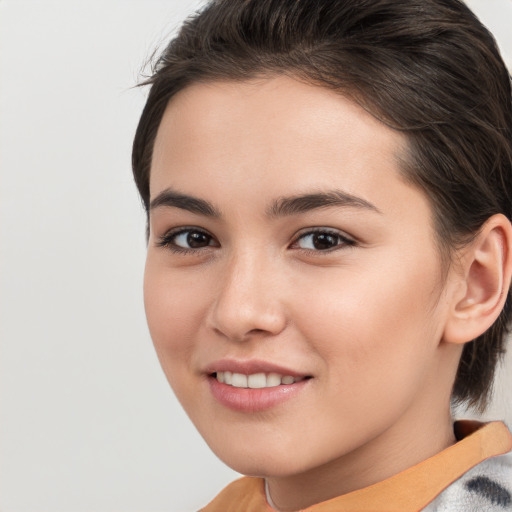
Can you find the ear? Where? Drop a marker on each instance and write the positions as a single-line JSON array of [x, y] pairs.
[[482, 282]]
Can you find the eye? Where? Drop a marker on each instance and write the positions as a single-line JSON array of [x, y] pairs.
[[322, 240], [187, 239]]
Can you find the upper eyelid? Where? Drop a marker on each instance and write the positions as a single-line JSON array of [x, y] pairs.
[[183, 229], [164, 239], [331, 231]]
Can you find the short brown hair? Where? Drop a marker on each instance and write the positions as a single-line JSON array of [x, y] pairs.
[[427, 68]]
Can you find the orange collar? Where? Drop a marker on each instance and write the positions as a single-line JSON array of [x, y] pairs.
[[408, 491]]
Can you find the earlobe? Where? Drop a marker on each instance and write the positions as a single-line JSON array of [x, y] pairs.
[[484, 282]]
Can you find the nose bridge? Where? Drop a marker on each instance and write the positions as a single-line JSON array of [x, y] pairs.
[[247, 300]]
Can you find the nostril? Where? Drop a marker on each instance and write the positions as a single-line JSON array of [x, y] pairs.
[[256, 331]]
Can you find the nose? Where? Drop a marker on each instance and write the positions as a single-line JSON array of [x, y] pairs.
[[248, 301]]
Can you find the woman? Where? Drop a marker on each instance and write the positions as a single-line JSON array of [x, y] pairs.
[[328, 187]]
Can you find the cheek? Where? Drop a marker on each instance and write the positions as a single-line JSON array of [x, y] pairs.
[[377, 323], [173, 312]]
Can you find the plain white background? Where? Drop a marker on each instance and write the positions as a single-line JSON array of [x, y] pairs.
[[88, 422]]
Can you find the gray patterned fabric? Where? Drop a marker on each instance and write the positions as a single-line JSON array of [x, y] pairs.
[[485, 488]]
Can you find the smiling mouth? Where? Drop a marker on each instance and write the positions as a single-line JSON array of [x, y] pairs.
[[256, 380]]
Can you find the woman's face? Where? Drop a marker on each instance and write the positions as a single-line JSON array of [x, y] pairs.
[[285, 246]]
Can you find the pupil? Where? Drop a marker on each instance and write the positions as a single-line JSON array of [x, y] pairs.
[[196, 239], [324, 241]]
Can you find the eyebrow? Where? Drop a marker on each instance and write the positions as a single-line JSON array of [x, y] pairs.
[[304, 203], [192, 204], [281, 207]]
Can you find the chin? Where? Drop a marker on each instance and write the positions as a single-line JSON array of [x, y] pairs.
[[261, 462], [263, 468]]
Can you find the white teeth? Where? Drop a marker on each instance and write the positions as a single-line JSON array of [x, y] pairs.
[[239, 380], [255, 380], [273, 379]]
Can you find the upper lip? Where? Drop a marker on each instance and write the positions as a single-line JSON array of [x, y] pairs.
[[249, 367]]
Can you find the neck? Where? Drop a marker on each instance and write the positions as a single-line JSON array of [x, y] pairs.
[[404, 445]]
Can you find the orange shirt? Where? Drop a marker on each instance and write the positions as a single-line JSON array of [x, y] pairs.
[[408, 491]]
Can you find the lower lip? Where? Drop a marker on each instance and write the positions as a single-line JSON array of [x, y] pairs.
[[253, 400]]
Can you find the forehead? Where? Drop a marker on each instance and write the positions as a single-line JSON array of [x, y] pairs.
[[272, 136]]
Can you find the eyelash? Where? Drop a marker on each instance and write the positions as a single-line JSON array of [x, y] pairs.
[[168, 240], [343, 240]]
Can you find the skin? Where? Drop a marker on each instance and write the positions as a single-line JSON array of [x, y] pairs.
[[366, 319]]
